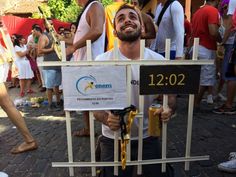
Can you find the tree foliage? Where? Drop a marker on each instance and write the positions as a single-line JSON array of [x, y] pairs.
[[64, 10]]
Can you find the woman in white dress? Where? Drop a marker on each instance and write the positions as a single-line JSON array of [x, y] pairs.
[[23, 65]]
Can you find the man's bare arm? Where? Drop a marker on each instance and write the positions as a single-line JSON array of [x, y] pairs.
[[101, 116], [214, 32], [228, 27], [96, 27], [43, 41]]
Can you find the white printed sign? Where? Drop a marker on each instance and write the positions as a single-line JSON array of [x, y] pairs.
[[94, 87]]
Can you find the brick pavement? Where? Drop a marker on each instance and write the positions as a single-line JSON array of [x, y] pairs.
[[212, 135]]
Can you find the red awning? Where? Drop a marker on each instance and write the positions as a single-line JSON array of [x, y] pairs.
[[18, 25]]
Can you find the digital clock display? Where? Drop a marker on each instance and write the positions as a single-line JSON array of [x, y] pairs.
[[169, 79]]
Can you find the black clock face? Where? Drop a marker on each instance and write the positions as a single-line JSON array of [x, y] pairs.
[[170, 79]]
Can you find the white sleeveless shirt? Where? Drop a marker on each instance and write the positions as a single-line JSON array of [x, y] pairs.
[[83, 28]]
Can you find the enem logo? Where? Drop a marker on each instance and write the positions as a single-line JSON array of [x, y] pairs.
[[86, 84]]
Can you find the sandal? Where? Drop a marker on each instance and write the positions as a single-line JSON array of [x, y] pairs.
[[11, 86], [22, 94], [30, 91], [24, 147], [224, 110], [81, 133]]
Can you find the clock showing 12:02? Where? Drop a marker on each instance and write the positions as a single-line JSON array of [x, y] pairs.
[[169, 79]]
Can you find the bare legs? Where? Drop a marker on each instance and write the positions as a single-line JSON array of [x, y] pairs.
[[86, 130], [49, 95], [231, 91], [16, 118], [25, 84]]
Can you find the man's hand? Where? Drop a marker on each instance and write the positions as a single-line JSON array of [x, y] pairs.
[[113, 122], [164, 114]]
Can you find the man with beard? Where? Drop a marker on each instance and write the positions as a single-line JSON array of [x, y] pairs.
[[128, 27]]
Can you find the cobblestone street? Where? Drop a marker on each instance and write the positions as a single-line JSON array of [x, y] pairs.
[[212, 135]]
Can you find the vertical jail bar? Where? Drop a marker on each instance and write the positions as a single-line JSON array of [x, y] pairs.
[[116, 144], [190, 110], [69, 142], [165, 104], [91, 119], [141, 103]]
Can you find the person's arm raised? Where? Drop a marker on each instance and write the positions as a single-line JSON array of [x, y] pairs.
[[96, 20]]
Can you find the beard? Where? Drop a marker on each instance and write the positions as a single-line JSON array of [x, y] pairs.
[[130, 37]]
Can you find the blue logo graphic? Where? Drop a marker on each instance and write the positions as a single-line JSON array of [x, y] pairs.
[[86, 84]]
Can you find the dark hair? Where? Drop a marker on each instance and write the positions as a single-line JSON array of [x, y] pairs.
[[80, 15], [74, 23], [144, 2], [127, 6], [67, 30], [35, 25], [37, 28], [17, 40], [140, 2]]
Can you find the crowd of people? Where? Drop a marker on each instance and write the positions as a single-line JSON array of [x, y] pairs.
[[212, 23]]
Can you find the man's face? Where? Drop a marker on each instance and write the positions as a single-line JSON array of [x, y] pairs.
[[135, 3], [36, 33], [128, 25]]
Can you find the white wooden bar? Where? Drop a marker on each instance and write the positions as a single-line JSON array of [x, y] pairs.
[[92, 141], [143, 162], [165, 105], [124, 62], [89, 50], [187, 159], [69, 142], [68, 120], [7, 40], [63, 50], [190, 111], [116, 152], [128, 81], [116, 133], [141, 103], [116, 55], [140, 134], [91, 119]]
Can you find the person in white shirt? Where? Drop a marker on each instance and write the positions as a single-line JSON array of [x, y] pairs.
[[25, 72], [171, 27], [128, 28]]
